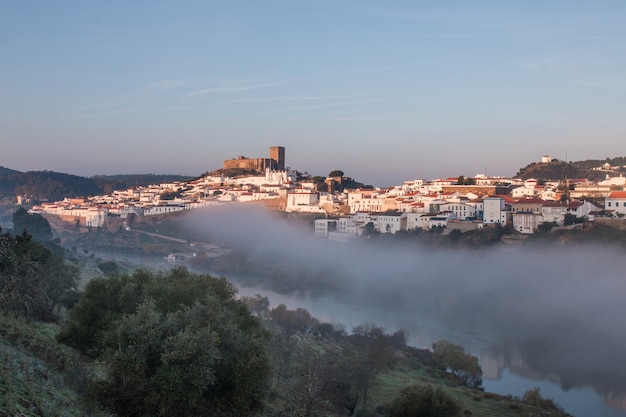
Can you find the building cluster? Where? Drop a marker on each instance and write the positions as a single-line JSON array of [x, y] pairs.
[[451, 203], [169, 198]]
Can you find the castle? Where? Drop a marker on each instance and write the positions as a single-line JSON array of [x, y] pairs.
[[276, 161]]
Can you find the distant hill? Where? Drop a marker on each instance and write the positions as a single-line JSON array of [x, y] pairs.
[[8, 171], [53, 186], [559, 170], [131, 180]]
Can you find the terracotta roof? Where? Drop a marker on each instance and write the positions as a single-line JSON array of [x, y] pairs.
[[530, 201], [618, 194]]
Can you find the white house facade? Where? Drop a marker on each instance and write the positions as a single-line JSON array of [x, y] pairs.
[[616, 202], [494, 211]]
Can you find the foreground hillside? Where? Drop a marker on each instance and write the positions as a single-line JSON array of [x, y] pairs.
[[41, 377]]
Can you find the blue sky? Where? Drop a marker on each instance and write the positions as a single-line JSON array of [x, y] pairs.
[[384, 90]]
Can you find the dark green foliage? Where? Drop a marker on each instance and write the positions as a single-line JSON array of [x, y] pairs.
[[336, 173], [173, 343], [299, 319], [463, 365], [465, 180], [47, 185], [53, 186], [35, 224], [34, 279], [533, 397], [560, 170], [8, 171], [374, 353], [171, 195], [546, 227], [423, 401], [258, 306], [572, 219], [108, 267]]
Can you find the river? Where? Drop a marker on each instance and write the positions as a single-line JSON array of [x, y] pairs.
[[504, 372]]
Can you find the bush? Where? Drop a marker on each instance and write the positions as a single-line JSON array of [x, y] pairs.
[[171, 344], [423, 401]]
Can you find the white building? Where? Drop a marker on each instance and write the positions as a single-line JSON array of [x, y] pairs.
[[616, 202], [526, 222], [615, 181], [494, 211], [553, 211], [303, 201], [389, 222], [462, 211], [365, 201]]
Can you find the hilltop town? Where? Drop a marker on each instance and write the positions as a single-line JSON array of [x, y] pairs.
[[464, 203]]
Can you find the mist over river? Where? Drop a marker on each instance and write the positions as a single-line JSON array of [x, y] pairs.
[[553, 314], [548, 317]]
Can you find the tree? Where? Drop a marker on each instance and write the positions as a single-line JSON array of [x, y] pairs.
[[369, 230], [336, 173], [462, 180], [258, 306], [463, 365], [35, 224], [173, 343], [423, 401], [34, 280], [373, 354]]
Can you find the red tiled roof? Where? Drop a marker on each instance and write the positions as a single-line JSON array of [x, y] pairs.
[[618, 194], [530, 201]]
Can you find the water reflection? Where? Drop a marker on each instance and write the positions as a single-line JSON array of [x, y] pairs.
[[509, 368]]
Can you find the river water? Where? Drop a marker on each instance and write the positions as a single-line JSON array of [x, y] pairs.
[[504, 372]]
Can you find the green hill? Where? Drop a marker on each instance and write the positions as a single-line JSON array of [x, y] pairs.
[[53, 186], [559, 170], [7, 171]]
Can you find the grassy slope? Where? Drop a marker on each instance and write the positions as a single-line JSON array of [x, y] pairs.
[[38, 376]]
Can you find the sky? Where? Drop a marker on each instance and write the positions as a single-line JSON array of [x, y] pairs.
[[384, 90]]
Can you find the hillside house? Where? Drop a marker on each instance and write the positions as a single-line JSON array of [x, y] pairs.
[[461, 210], [526, 222], [495, 210], [389, 222], [616, 203]]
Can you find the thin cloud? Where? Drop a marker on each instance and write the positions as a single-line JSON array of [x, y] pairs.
[[229, 89], [288, 98], [361, 118], [319, 106]]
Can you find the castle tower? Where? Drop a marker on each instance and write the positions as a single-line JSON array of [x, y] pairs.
[[277, 155]]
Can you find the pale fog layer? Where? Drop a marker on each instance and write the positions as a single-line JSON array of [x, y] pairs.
[[556, 313]]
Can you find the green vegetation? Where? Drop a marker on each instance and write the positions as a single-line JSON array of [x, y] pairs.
[[130, 341], [171, 344], [454, 359], [423, 401], [34, 224], [35, 280], [462, 180], [53, 186], [560, 170]]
